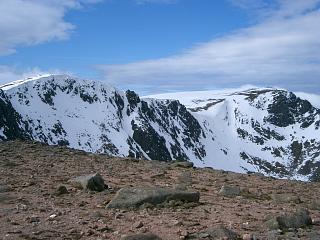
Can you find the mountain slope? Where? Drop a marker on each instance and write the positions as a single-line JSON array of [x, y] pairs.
[[96, 117], [10, 121], [268, 130]]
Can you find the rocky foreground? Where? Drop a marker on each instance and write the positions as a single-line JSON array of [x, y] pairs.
[[51, 192]]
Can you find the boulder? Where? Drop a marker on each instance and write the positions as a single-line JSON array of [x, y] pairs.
[[5, 188], [134, 197], [61, 190], [315, 205], [219, 232], [298, 219], [93, 182], [285, 198], [230, 191], [142, 236], [183, 164]]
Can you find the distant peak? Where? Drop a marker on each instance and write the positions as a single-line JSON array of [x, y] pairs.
[[15, 83], [37, 77]]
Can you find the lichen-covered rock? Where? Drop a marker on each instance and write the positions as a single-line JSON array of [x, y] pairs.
[[285, 198], [219, 232], [230, 191], [134, 197], [93, 182], [298, 219]]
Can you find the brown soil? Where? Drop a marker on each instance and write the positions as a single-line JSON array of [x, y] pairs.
[[32, 210]]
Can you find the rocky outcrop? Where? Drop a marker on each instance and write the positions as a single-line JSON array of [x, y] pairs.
[[134, 197]]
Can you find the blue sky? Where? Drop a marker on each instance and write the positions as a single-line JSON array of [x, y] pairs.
[[154, 46]]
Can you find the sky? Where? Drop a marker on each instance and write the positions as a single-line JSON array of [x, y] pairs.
[[157, 46]]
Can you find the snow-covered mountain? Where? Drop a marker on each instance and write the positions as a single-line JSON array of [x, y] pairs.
[[261, 130], [96, 117], [266, 130]]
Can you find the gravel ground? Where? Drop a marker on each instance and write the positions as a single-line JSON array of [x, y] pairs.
[[30, 208]]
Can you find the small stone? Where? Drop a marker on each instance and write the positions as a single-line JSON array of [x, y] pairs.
[[61, 190], [184, 233], [52, 216], [96, 214], [33, 219], [118, 216], [177, 223], [90, 232], [248, 236], [103, 229], [21, 207], [138, 224], [183, 164]]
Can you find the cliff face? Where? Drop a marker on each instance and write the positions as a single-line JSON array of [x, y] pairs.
[[266, 130], [11, 125], [95, 117]]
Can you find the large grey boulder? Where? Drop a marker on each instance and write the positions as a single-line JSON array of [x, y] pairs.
[[134, 197], [285, 198], [93, 182], [298, 219], [219, 232], [142, 236], [230, 191]]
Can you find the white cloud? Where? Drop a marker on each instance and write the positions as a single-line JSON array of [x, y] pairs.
[[10, 74], [314, 99], [30, 22], [282, 49]]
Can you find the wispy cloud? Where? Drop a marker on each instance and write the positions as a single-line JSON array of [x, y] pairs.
[[282, 48], [9, 73], [30, 22]]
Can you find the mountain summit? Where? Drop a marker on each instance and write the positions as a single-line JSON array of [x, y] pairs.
[[264, 130]]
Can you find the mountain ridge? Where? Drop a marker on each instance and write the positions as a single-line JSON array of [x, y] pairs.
[[266, 130]]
